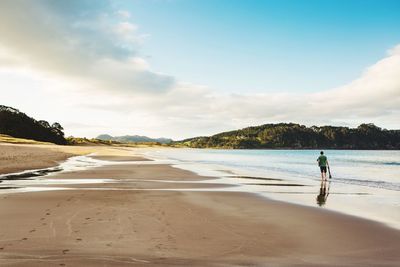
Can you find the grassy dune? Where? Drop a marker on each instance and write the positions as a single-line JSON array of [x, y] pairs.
[[14, 140]]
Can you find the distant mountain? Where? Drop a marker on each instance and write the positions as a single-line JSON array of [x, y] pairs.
[[18, 124], [105, 137], [296, 136], [133, 139]]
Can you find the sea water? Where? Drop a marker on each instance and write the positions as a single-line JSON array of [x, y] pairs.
[[364, 183]]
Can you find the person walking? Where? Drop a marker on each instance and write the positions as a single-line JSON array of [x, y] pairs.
[[323, 163]]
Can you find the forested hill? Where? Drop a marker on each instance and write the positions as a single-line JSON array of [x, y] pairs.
[[18, 124], [290, 135]]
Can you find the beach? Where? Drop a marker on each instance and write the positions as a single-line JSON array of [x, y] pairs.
[[18, 157], [134, 217]]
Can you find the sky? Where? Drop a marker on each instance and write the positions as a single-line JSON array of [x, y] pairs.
[[184, 68]]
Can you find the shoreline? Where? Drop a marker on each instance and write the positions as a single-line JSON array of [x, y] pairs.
[[25, 157], [368, 195], [147, 226], [123, 154], [21, 157]]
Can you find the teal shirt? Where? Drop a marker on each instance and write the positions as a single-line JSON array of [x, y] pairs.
[[322, 160]]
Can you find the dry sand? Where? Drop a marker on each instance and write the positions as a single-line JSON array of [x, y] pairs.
[[120, 224], [20, 157], [14, 158]]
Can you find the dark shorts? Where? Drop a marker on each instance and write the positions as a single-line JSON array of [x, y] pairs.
[[323, 169]]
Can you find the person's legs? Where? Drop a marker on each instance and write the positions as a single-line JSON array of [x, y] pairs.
[[323, 173]]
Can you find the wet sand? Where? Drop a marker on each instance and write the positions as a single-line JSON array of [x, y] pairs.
[[20, 157], [120, 224], [14, 158]]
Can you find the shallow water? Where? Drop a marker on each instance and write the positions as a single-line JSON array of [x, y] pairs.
[[46, 179], [364, 183], [38, 180]]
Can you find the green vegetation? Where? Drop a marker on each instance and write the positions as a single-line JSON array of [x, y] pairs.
[[16, 127], [95, 141], [134, 139], [85, 141], [295, 136], [19, 125], [14, 140]]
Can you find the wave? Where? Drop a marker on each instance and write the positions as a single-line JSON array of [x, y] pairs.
[[372, 162], [392, 163], [370, 183]]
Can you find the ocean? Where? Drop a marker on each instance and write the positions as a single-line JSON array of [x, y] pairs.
[[364, 183]]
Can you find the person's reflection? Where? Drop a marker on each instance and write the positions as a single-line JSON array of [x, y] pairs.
[[323, 193]]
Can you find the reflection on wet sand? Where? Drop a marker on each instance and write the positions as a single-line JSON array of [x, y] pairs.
[[323, 193], [8, 187], [278, 184], [27, 175], [256, 178]]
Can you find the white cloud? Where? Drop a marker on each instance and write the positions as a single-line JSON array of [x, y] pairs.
[[125, 28], [373, 97], [73, 39], [124, 14], [75, 63]]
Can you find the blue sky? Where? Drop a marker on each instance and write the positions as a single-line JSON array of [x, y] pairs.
[[183, 68], [266, 46]]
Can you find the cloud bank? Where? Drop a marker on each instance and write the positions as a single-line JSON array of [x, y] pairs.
[[83, 40], [85, 57]]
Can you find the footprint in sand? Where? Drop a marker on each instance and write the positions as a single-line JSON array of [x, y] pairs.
[[65, 251], [79, 239], [62, 264], [23, 239], [33, 230]]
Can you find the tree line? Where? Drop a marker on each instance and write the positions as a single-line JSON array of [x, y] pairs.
[[296, 136], [18, 124]]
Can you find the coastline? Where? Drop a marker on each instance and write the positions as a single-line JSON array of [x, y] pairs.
[[22, 157], [135, 221], [364, 184]]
